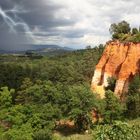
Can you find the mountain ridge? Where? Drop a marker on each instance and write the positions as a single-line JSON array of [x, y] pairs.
[[40, 49]]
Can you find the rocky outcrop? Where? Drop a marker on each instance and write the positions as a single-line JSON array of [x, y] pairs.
[[119, 60]]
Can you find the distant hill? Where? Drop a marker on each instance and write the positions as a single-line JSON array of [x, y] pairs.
[[40, 49], [49, 49], [52, 47]]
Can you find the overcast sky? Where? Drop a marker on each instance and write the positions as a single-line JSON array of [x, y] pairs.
[[71, 23]]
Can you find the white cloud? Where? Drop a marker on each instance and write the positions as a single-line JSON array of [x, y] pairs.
[[94, 17]]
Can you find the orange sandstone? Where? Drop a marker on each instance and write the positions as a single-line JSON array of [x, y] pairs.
[[119, 60]]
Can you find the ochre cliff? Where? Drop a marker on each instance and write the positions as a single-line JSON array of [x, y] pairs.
[[119, 60]]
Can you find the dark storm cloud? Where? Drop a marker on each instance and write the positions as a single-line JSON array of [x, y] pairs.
[[6, 4], [78, 22], [43, 14], [11, 41], [33, 13], [38, 12]]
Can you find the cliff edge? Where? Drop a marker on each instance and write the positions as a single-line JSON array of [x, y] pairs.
[[119, 60]]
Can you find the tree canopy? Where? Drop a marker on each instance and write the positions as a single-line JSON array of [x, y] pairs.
[[123, 32]]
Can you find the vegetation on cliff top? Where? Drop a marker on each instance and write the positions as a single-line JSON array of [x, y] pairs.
[[123, 32]]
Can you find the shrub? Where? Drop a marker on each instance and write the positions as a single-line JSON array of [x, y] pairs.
[[117, 131], [43, 135], [113, 107], [133, 98]]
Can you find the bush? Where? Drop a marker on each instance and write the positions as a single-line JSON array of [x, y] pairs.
[[43, 135], [117, 131], [111, 83], [113, 107], [83, 122], [133, 98], [6, 97], [23, 132]]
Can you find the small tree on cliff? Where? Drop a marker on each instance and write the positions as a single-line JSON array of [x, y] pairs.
[[111, 83], [135, 31], [119, 30]]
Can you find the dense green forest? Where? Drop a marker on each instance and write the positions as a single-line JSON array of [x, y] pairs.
[[36, 94]]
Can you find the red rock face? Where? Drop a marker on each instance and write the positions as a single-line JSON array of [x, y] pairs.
[[119, 60]]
